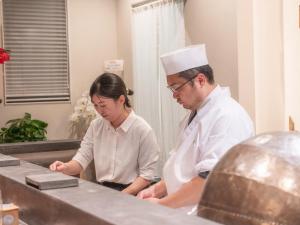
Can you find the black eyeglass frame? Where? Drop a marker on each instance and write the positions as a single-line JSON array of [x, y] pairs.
[[180, 86]]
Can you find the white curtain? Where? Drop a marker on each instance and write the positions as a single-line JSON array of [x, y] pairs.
[[157, 29]]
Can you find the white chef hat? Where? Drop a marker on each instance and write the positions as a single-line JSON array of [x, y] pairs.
[[184, 59]]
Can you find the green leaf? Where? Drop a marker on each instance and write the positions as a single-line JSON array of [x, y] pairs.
[[27, 116], [39, 123], [13, 121]]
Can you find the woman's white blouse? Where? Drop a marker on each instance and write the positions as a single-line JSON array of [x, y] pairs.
[[122, 154]]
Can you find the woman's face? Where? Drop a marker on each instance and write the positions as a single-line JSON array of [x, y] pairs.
[[108, 108]]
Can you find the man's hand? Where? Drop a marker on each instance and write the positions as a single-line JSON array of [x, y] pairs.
[[153, 200], [147, 193]]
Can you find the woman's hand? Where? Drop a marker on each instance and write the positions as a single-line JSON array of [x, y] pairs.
[[70, 168], [58, 166]]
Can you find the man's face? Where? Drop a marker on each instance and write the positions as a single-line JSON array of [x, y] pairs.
[[184, 91]]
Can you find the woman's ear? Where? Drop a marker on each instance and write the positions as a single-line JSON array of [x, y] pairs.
[[122, 99]]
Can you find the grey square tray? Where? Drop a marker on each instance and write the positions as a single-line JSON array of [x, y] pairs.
[[51, 181], [6, 160]]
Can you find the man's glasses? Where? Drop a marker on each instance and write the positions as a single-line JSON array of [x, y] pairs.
[[177, 87]]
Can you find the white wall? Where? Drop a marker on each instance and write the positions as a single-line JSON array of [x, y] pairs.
[[125, 39], [261, 62], [245, 45], [292, 60], [213, 22], [92, 39], [268, 65]]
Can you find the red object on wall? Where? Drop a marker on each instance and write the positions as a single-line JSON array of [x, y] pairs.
[[4, 55]]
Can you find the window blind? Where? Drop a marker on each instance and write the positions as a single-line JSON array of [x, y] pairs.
[[35, 31]]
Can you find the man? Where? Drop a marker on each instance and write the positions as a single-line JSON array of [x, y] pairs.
[[215, 123]]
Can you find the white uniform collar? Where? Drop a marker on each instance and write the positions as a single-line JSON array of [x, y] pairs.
[[216, 92], [202, 109]]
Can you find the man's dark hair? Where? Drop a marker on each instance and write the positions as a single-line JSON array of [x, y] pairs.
[[206, 70]]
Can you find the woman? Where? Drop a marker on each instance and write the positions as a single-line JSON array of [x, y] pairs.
[[122, 144]]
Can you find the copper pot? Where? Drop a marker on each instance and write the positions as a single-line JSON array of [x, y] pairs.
[[257, 182]]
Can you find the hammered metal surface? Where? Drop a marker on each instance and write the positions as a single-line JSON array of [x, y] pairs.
[[256, 183]]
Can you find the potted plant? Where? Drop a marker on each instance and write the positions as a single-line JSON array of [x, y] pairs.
[[23, 129]]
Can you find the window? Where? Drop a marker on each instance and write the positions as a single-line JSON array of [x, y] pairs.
[[35, 31]]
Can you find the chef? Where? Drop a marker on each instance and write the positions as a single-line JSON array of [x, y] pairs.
[[214, 124]]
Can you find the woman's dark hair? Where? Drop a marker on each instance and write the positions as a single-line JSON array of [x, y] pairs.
[[206, 70], [111, 86]]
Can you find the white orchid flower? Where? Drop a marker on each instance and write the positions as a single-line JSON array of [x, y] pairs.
[[82, 101], [74, 117], [79, 109]]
